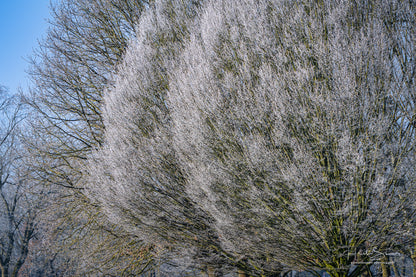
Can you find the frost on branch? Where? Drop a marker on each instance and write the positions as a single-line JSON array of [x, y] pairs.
[[280, 134], [136, 177]]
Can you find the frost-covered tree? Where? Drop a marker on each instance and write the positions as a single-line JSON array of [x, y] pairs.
[[151, 201], [70, 70], [294, 124], [284, 128]]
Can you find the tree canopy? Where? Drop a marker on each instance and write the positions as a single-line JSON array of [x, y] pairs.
[[258, 135], [289, 126]]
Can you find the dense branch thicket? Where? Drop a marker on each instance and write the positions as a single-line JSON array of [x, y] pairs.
[[277, 134], [70, 70], [159, 209], [18, 207]]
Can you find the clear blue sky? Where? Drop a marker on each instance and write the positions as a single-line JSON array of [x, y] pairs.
[[22, 24]]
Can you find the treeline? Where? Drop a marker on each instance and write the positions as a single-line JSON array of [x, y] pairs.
[[220, 136]]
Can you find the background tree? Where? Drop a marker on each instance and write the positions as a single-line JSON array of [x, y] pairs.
[[70, 71], [18, 208]]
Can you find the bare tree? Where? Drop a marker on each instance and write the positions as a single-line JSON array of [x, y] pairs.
[[70, 70], [17, 207]]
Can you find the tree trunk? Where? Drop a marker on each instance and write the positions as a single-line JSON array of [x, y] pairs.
[[414, 264], [241, 273], [210, 271], [4, 271], [385, 268], [414, 257], [213, 272], [396, 272]]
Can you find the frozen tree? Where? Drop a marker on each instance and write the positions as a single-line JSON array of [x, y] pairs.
[[150, 202], [70, 70], [279, 134], [293, 122]]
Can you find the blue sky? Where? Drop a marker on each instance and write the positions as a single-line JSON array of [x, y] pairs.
[[22, 24]]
